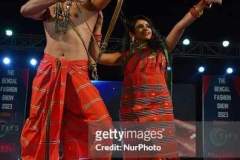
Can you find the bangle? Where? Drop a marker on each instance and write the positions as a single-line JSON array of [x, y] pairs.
[[195, 13], [98, 37]]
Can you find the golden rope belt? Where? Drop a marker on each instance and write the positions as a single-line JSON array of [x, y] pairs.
[[112, 24], [93, 63]]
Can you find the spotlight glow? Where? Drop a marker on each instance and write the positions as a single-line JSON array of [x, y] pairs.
[[169, 68], [33, 62], [6, 60], [201, 69], [229, 70], [225, 43], [186, 42], [9, 32]]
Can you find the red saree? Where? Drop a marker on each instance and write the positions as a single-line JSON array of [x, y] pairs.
[[63, 103], [146, 98]]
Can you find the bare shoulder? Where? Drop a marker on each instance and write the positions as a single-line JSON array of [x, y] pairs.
[[50, 14]]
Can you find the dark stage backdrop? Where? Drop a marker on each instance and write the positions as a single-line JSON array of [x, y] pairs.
[[221, 108], [13, 94]]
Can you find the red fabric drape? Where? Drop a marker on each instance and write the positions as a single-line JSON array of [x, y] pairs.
[[63, 104]]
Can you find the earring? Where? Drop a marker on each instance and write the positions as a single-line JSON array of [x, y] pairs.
[[131, 47], [132, 39]]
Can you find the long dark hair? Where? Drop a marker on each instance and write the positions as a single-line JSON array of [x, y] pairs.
[[157, 42]]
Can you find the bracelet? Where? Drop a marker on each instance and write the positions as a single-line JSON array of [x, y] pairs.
[[195, 13], [98, 37]]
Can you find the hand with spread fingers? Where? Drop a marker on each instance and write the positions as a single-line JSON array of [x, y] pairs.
[[210, 2]]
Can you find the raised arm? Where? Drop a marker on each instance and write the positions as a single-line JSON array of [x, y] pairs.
[[95, 4], [112, 59], [177, 31], [102, 58], [36, 9]]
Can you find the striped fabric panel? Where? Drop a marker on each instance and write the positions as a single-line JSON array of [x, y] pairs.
[[79, 70], [166, 137], [164, 140], [83, 86], [154, 112], [157, 127], [43, 71], [128, 117], [38, 89], [145, 88], [144, 113], [104, 117], [90, 104], [170, 125], [162, 124], [146, 100]]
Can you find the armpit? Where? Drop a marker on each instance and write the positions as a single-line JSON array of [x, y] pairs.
[[88, 5]]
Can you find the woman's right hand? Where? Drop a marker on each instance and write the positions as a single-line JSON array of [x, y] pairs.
[[210, 2]]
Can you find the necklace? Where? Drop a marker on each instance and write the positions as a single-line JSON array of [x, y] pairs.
[[141, 46], [62, 16]]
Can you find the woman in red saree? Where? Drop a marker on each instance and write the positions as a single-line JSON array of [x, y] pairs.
[[145, 96]]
